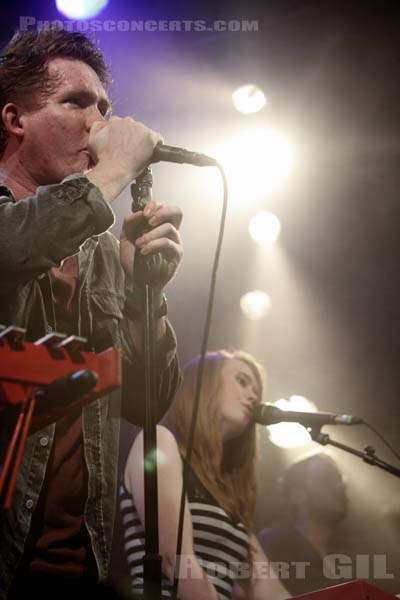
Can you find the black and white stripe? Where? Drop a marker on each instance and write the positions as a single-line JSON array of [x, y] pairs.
[[220, 544]]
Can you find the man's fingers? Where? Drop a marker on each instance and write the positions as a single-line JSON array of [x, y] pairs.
[[97, 125], [156, 215], [166, 230], [131, 225], [162, 214], [170, 249]]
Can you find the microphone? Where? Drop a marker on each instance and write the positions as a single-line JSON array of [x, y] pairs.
[[180, 155], [66, 389], [267, 414]]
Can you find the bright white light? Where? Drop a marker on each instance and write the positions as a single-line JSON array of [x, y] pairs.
[[256, 162], [248, 99], [255, 305], [291, 435], [264, 228], [80, 9]]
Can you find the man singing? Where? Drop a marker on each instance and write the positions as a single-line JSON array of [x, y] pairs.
[[62, 164]]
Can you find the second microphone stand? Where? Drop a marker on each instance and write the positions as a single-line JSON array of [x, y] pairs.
[[368, 455], [148, 271]]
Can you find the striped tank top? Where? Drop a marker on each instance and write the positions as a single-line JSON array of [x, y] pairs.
[[221, 545]]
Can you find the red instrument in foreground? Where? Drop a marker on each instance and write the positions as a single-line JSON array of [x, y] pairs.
[[28, 370], [354, 590]]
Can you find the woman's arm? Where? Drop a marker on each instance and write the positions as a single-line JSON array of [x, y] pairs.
[[263, 583], [194, 583]]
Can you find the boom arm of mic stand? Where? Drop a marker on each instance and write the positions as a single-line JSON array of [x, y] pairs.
[[368, 455]]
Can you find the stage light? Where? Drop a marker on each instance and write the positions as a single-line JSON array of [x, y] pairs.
[[80, 9], [255, 305], [291, 435], [257, 161], [249, 99], [264, 228]]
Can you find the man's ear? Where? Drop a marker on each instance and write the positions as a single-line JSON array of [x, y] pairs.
[[11, 115]]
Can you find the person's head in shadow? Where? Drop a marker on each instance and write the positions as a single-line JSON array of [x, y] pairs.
[[313, 489], [313, 502], [314, 499]]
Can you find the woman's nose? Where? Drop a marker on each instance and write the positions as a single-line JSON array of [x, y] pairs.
[[253, 397]]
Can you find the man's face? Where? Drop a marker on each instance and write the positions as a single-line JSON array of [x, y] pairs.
[[55, 137]]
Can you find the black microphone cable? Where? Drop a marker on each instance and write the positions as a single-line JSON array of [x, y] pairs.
[[199, 379], [380, 436]]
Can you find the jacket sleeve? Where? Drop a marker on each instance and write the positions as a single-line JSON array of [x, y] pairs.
[[38, 232]]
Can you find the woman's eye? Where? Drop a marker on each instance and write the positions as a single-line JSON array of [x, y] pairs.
[[242, 381]]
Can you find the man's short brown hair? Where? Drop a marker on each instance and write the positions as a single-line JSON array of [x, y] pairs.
[[24, 77]]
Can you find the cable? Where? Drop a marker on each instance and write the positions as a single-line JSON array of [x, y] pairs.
[[397, 455], [199, 378]]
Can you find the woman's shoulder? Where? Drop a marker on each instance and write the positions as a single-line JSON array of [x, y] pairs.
[[169, 459], [166, 446], [166, 437]]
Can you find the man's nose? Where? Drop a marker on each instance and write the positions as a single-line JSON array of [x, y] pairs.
[[94, 115]]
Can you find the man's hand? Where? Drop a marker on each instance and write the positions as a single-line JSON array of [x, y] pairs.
[[120, 149], [164, 237]]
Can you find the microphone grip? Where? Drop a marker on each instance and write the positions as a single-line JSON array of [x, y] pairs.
[[174, 154]]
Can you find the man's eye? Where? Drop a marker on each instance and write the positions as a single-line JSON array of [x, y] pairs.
[[75, 101]]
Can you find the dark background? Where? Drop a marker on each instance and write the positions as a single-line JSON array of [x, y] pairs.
[[331, 73]]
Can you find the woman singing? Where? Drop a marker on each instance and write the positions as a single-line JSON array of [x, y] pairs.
[[220, 556]]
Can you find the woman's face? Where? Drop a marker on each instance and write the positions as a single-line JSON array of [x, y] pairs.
[[239, 394]]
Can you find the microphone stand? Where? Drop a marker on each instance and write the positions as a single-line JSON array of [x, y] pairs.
[[368, 455], [147, 271]]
